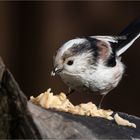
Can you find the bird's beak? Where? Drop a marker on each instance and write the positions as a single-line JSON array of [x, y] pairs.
[[56, 70]]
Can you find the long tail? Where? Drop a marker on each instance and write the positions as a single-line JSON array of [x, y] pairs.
[[132, 32]]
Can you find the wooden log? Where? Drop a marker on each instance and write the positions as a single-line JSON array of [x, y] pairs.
[[21, 119], [15, 118]]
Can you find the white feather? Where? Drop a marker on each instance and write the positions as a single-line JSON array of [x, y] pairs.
[[127, 46], [106, 38]]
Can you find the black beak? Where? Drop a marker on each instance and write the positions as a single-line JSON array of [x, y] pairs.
[[56, 70]]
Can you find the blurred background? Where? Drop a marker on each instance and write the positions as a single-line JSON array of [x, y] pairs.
[[30, 32]]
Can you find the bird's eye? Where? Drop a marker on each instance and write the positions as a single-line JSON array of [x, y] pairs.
[[70, 62]]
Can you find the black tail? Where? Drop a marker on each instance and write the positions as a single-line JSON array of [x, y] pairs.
[[132, 32]]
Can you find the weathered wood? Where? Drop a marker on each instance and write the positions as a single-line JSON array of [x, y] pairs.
[[60, 125], [15, 119], [21, 119]]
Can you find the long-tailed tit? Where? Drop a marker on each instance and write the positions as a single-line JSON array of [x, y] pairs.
[[93, 63]]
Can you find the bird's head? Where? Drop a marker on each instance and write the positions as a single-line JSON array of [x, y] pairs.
[[78, 55]]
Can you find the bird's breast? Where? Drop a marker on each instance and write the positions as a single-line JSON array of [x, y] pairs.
[[72, 81]]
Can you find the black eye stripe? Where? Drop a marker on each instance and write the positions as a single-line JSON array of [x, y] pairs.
[[70, 62]]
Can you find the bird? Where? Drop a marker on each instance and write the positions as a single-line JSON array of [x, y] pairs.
[[93, 63]]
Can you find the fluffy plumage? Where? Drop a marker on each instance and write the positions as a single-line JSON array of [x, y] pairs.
[[93, 63]]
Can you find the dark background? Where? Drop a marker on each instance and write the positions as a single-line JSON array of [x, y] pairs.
[[30, 32]]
